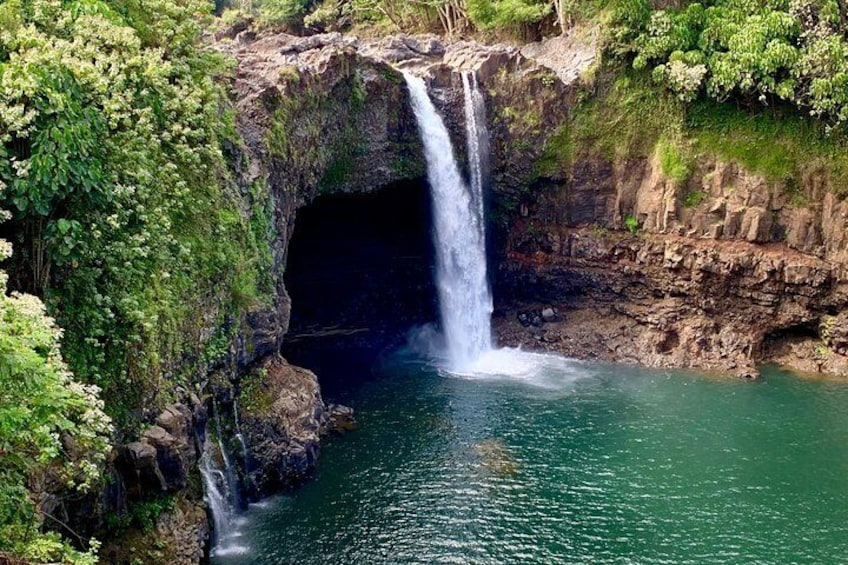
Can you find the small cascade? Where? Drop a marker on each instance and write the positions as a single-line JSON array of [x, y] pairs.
[[465, 300], [220, 482], [217, 491], [239, 435], [229, 469]]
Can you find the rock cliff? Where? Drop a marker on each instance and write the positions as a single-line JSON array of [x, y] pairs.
[[745, 271]]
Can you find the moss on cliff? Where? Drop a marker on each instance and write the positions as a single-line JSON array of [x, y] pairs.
[[629, 117]]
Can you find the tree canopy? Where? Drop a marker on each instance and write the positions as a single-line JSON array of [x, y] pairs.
[[53, 431], [777, 50]]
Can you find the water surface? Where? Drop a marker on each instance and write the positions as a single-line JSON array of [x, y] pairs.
[[578, 463]]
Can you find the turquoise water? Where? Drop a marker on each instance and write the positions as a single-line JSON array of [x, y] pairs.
[[580, 463]]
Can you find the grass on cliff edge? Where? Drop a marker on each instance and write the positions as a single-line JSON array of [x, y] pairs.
[[631, 117]]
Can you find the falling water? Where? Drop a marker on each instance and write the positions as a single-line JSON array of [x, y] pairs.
[[477, 139], [232, 479], [221, 490], [465, 301], [216, 487], [239, 434]]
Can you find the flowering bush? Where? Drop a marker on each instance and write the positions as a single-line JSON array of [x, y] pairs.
[[772, 50], [50, 425], [111, 127]]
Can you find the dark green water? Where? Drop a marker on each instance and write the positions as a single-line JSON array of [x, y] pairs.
[[580, 464]]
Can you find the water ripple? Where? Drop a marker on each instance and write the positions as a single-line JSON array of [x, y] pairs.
[[602, 465]]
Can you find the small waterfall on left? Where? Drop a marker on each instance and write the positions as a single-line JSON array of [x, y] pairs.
[[220, 485]]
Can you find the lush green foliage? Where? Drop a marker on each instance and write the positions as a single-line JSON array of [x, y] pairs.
[[451, 17], [774, 50], [279, 12], [110, 158], [778, 145], [633, 117], [53, 431], [504, 13], [672, 160]]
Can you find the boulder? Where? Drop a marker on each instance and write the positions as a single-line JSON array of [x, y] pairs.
[[340, 419], [139, 470], [282, 416]]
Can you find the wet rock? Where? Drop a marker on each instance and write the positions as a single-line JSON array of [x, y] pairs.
[[671, 301], [180, 536], [170, 457], [139, 470], [549, 315], [282, 418], [340, 419], [531, 318]]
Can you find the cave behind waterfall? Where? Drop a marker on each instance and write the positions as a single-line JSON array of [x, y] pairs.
[[360, 275]]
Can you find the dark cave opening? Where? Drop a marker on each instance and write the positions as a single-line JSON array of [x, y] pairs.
[[360, 275]]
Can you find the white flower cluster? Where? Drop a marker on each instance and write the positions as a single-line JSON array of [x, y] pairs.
[[685, 80]]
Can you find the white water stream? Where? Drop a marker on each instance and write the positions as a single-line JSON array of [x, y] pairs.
[[465, 298], [465, 301]]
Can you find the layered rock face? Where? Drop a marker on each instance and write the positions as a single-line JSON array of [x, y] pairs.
[[743, 276]]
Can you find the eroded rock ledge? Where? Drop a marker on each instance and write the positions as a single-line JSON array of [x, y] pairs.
[[741, 277], [668, 301]]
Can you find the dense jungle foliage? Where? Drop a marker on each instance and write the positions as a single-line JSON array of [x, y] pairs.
[[112, 166], [124, 219]]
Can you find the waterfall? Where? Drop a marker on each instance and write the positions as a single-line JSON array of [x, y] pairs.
[[239, 435], [232, 478], [216, 489], [220, 485], [477, 139], [465, 300]]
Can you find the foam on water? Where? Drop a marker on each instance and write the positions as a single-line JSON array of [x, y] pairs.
[[532, 368]]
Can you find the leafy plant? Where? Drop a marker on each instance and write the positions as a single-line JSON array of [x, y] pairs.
[[111, 133], [43, 411], [694, 198], [673, 161], [766, 51], [631, 223]]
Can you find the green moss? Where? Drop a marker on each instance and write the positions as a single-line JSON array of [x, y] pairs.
[[694, 198], [520, 121], [626, 120], [391, 75], [673, 161], [557, 154], [403, 166], [631, 223], [254, 397], [139, 514], [338, 171], [778, 144], [631, 117]]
